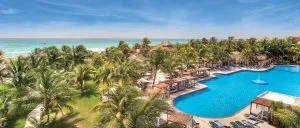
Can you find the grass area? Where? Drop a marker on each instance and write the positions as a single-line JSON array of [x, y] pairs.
[[82, 115], [17, 122], [3, 87]]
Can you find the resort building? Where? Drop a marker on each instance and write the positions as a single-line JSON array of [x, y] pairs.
[[198, 72]]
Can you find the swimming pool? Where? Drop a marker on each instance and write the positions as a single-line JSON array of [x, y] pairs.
[[228, 94]]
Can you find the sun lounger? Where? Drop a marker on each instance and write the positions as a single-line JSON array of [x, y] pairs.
[[234, 125], [212, 124], [248, 124], [240, 124], [252, 117], [217, 124], [195, 124]]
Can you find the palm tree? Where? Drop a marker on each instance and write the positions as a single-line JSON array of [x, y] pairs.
[[171, 66], [4, 73], [115, 55], [80, 74], [73, 56], [37, 60], [188, 55], [128, 71], [21, 74], [3, 111], [1, 56], [250, 54], [124, 109], [123, 46], [156, 59], [50, 91], [145, 46]]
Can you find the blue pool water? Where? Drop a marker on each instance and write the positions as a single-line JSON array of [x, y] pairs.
[[228, 94]]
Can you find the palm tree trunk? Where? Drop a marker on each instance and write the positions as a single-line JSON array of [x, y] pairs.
[[155, 73], [81, 87]]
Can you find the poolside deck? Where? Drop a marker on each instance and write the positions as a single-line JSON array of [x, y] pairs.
[[233, 70]]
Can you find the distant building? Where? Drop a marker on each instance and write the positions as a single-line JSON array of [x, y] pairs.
[[297, 38]]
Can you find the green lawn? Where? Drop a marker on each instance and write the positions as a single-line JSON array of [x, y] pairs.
[[3, 87], [17, 122], [83, 116]]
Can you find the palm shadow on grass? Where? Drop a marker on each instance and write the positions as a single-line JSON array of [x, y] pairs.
[[68, 121], [16, 122], [88, 93]]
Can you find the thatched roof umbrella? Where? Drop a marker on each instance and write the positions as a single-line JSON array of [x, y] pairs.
[[136, 57], [155, 91], [181, 118], [262, 57], [236, 57], [164, 45]]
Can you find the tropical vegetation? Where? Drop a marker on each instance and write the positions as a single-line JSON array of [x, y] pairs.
[[285, 116], [55, 77]]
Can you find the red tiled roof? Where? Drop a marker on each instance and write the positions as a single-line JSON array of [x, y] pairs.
[[155, 91], [187, 72], [202, 69], [178, 79], [161, 85], [189, 77], [297, 38], [180, 118], [170, 81]]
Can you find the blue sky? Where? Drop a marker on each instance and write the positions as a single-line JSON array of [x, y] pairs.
[[151, 18]]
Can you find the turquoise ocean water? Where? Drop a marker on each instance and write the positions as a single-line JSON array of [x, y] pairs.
[[15, 47]]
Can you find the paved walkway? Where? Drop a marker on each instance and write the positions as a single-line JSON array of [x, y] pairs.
[[33, 116]]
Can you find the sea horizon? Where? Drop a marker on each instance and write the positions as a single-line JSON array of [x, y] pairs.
[[13, 47]]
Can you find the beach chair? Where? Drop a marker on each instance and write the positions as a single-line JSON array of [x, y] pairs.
[[240, 124], [234, 125], [254, 118], [217, 124], [212, 124], [195, 124], [248, 124]]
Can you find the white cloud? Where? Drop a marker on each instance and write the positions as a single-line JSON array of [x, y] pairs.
[[118, 11], [122, 30], [8, 11]]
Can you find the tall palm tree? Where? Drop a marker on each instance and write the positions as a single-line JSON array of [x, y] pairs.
[[50, 91], [156, 59], [123, 46], [80, 74], [171, 66], [189, 56], [21, 74], [124, 109], [128, 71], [145, 46], [73, 56]]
